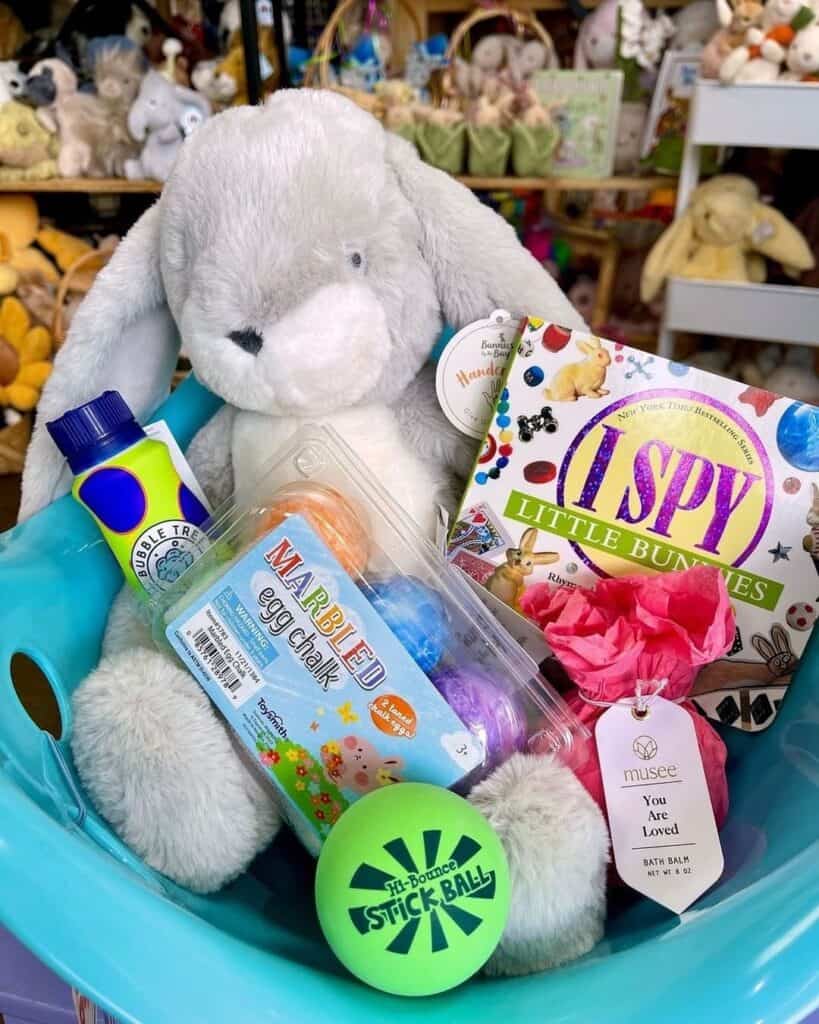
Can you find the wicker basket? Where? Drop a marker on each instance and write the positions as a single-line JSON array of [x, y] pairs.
[[13, 443], [317, 74], [78, 277], [522, 22]]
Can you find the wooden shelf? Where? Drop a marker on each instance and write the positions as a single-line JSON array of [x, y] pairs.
[[617, 184], [95, 185], [123, 185]]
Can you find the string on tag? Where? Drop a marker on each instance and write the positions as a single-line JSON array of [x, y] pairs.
[[640, 702]]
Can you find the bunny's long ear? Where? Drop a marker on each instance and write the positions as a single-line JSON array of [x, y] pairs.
[[122, 337], [775, 237], [667, 255], [527, 541], [476, 259]]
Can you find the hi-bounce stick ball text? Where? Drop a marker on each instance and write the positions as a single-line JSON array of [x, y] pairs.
[[412, 889]]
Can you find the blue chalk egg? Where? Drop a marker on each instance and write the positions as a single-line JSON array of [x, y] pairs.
[[502, 461], [533, 376], [503, 421], [415, 613], [505, 394], [797, 436], [481, 478]]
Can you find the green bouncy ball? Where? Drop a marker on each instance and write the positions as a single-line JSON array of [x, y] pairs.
[[412, 889]]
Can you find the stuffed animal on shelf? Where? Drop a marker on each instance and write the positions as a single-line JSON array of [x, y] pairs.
[[157, 119], [226, 80], [12, 81], [526, 57], [596, 45], [79, 117], [402, 249], [501, 57], [25, 357], [763, 53], [807, 222], [735, 21], [28, 151], [694, 24], [723, 236], [802, 59], [20, 223], [118, 74]]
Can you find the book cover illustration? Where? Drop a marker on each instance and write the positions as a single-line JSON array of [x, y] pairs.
[[607, 461], [664, 135], [586, 108]]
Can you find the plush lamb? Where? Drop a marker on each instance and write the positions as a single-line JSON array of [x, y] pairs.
[[309, 260]]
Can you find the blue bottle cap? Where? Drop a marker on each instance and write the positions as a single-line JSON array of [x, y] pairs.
[[96, 431]]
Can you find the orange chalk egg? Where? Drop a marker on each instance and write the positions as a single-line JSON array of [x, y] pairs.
[[341, 524]]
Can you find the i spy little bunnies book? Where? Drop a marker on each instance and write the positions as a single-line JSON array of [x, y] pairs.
[[601, 460]]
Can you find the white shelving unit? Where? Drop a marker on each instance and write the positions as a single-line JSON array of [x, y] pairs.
[[779, 115]]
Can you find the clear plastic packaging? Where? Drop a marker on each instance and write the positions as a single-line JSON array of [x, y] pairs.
[[342, 649]]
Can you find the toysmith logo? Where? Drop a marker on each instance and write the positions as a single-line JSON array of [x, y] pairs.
[[443, 890]]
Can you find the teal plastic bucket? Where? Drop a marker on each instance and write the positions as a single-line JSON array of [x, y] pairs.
[[151, 952]]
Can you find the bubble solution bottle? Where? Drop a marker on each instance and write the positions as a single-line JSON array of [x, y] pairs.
[[127, 480]]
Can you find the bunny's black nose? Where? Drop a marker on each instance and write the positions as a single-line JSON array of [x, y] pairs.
[[248, 339]]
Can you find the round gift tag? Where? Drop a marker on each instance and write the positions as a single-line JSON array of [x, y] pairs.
[[412, 889], [471, 369]]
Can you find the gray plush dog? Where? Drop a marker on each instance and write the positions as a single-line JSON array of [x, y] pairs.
[[308, 260]]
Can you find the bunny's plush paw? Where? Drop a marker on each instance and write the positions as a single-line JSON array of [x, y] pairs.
[[557, 845], [162, 768]]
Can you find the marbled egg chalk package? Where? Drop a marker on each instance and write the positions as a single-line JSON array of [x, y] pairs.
[[616, 461], [339, 648]]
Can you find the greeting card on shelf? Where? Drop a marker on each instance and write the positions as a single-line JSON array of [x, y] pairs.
[[601, 460], [586, 107]]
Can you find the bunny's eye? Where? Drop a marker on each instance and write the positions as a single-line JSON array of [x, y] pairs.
[[355, 258]]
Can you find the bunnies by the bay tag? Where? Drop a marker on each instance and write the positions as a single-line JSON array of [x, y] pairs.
[[471, 369], [663, 833]]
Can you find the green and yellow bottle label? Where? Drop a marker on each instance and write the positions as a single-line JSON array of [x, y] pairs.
[[149, 517]]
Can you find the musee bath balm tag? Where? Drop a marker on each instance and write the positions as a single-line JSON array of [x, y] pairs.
[[663, 833]]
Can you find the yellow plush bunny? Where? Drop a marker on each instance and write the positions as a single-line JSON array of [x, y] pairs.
[[723, 236]]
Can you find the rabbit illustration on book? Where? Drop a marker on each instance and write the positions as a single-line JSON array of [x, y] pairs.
[[583, 379], [507, 581], [777, 667], [810, 542]]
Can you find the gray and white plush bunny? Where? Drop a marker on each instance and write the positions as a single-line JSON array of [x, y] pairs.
[[308, 259]]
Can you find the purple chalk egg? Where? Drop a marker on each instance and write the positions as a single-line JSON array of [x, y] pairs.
[[487, 710]]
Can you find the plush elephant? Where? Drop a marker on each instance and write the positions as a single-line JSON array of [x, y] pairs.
[[309, 259], [161, 117]]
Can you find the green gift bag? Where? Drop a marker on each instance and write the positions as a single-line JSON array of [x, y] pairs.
[[489, 148], [532, 149], [407, 131], [442, 145]]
